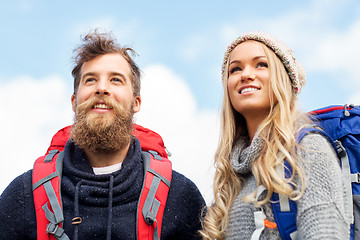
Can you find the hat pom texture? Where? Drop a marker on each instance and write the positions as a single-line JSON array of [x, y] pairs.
[[294, 69]]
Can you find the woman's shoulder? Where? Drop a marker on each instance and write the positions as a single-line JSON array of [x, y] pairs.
[[315, 141], [317, 153]]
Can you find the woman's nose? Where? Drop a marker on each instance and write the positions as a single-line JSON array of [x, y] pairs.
[[248, 75]]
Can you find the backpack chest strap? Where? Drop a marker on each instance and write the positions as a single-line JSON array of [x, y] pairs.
[[347, 176], [259, 216]]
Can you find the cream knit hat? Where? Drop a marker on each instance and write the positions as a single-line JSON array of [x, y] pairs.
[[294, 69]]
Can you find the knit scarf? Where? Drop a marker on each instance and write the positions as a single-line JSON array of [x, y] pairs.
[[243, 153], [241, 214]]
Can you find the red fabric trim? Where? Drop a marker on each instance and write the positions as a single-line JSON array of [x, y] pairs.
[[325, 110], [149, 140]]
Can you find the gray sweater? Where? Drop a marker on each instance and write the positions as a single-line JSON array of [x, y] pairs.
[[322, 212]]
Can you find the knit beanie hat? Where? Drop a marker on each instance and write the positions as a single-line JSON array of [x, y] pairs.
[[294, 69]]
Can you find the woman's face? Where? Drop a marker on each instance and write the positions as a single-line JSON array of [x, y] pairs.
[[249, 80]]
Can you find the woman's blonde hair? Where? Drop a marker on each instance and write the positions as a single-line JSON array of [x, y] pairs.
[[278, 130]]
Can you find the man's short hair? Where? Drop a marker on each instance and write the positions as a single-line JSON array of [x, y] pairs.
[[97, 44]]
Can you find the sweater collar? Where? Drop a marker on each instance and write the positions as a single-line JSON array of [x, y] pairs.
[[78, 163], [103, 191], [127, 181], [245, 152]]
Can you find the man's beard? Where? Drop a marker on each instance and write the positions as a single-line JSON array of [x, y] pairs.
[[102, 133]]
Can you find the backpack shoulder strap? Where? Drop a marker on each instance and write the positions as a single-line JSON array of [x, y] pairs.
[[47, 198], [285, 219], [285, 210], [152, 201]]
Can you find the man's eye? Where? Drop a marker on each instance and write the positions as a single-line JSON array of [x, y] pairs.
[[117, 80], [90, 80]]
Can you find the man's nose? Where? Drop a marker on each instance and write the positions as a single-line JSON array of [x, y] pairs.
[[102, 88]]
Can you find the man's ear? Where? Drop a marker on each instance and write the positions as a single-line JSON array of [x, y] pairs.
[[73, 102], [137, 104]]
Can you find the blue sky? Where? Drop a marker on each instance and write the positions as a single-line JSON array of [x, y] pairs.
[[180, 47]]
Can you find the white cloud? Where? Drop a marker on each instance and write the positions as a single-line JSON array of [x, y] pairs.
[[339, 51], [191, 135], [321, 46], [32, 111]]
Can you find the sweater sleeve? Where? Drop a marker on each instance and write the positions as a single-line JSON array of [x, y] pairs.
[[321, 210], [183, 208], [17, 213]]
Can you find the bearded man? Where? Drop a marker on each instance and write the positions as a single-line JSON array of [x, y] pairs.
[[102, 170]]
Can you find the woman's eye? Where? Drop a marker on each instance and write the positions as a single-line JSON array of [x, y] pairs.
[[262, 64], [234, 69]]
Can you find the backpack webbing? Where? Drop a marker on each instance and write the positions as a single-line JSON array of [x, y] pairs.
[[47, 196]]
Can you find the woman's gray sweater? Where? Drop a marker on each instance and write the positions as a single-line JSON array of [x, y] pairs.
[[321, 210]]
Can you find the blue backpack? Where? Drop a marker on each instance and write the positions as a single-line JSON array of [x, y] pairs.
[[341, 125]]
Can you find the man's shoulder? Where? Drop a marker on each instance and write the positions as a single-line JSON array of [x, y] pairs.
[[182, 186], [179, 177], [21, 183], [183, 209], [18, 191], [17, 212]]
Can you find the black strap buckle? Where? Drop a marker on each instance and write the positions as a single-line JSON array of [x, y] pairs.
[[340, 149], [55, 230]]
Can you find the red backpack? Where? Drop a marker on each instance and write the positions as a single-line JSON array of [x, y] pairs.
[[47, 174]]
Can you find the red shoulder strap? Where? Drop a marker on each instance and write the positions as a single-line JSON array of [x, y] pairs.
[[47, 198], [158, 172]]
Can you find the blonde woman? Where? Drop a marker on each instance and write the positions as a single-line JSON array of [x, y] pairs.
[[260, 123]]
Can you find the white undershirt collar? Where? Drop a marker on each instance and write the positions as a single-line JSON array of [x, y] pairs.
[[107, 169]]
